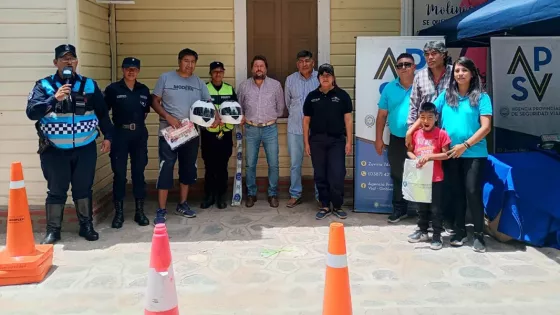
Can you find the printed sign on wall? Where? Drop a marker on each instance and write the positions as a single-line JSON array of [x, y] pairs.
[[525, 72]]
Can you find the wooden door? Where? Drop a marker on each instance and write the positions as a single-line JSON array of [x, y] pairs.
[[279, 29]]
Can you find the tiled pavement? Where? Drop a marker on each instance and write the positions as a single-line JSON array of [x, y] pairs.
[[262, 260]]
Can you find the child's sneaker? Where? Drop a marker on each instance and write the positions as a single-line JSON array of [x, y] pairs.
[[479, 244], [436, 242], [418, 236]]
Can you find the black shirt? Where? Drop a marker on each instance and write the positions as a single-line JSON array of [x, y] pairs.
[[129, 106], [327, 111]]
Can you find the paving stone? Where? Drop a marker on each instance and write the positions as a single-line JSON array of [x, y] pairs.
[[476, 273]]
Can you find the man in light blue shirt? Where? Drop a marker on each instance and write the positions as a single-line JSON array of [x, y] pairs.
[[394, 104], [297, 86]]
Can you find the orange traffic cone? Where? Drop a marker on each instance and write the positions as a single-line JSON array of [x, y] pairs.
[[161, 295], [337, 300], [22, 261]]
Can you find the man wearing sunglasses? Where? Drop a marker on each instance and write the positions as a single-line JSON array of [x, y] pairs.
[[394, 104]]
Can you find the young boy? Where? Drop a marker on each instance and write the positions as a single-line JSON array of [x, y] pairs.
[[430, 143]]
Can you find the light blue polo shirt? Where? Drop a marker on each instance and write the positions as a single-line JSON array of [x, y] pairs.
[[396, 100], [463, 121]]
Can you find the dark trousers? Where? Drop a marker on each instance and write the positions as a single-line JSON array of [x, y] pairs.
[[187, 154], [465, 179], [62, 167], [432, 211], [216, 153], [397, 153], [328, 158], [135, 143]]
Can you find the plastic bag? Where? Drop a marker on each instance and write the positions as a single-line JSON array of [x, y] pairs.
[[176, 137], [417, 182]]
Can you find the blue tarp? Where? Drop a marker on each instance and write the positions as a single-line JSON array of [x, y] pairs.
[[473, 28]]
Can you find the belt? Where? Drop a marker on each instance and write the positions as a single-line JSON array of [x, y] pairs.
[[129, 126], [272, 122]]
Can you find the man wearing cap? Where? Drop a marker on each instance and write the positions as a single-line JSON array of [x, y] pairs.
[[174, 94], [69, 108], [262, 101], [130, 101], [217, 141], [298, 85]]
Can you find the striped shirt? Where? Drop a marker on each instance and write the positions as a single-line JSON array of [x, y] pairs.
[[296, 89], [261, 104], [425, 90]]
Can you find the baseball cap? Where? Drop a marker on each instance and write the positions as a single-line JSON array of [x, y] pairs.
[[216, 64], [131, 62], [63, 50], [326, 68]]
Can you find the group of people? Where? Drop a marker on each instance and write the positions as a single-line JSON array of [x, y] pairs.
[[69, 109], [439, 114]]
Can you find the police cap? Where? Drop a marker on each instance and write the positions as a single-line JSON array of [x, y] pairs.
[[216, 64], [131, 62], [63, 50]]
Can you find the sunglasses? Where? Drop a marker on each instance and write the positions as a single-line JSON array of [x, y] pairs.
[[404, 65]]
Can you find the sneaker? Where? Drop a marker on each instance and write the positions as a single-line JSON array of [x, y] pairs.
[[396, 217], [323, 213], [458, 239], [161, 215], [185, 210], [479, 244], [417, 237], [436, 242], [341, 214]]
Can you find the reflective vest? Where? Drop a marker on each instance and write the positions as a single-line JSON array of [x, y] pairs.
[[67, 127], [218, 97]]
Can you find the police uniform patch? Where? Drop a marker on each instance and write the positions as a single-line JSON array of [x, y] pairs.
[[30, 95]]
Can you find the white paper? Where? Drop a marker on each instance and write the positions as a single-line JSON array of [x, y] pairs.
[[176, 137], [417, 182]]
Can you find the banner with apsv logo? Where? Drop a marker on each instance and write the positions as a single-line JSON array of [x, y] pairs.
[[526, 91], [375, 67]]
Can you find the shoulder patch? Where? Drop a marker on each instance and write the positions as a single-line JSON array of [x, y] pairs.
[[30, 96]]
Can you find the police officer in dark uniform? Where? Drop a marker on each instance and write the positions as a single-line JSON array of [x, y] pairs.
[[130, 101], [69, 108], [217, 141]]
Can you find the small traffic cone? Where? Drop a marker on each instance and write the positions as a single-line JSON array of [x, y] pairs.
[[22, 262], [337, 300], [161, 295]]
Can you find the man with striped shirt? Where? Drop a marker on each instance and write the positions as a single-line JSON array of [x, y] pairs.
[[297, 86]]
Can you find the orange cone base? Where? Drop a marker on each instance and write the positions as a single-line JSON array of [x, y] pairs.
[[173, 311], [26, 269]]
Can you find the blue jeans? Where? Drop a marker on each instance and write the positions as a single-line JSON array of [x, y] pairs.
[[269, 137], [296, 151]]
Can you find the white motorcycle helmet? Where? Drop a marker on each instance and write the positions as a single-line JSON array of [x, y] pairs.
[[230, 113], [202, 113]]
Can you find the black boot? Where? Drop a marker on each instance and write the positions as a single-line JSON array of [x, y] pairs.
[[209, 200], [84, 211], [54, 215], [118, 220], [140, 217], [222, 204]]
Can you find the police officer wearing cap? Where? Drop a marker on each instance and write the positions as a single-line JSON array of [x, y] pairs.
[[130, 101], [217, 141], [69, 108]]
